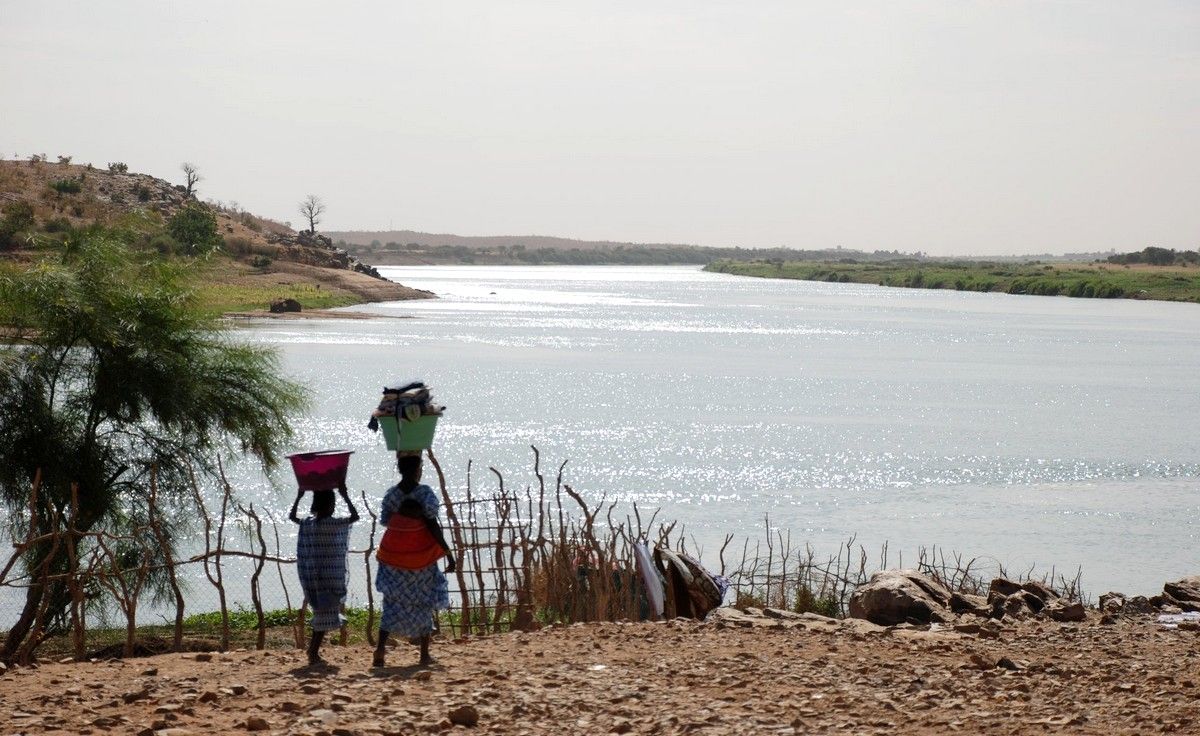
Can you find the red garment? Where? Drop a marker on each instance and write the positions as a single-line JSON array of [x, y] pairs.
[[407, 544]]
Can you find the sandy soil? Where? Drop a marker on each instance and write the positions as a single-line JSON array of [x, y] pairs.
[[368, 289], [732, 676]]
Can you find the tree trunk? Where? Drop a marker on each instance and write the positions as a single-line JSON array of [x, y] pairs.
[[20, 629], [131, 629]]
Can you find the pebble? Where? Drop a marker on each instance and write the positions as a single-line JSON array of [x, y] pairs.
[[463, 715]]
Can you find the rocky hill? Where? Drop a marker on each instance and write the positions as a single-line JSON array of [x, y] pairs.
[[259, 260]]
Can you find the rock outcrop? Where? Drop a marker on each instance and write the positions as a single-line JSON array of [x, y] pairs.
[[900, 596], [893, 597], [315, 249], [1184, 593]]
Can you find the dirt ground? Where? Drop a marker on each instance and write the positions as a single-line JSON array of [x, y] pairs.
[[735, 675]]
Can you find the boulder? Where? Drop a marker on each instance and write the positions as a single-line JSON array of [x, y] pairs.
[[1033, 601], [1119, 604], [1043, 592], [967, 603], [1061, 610], [1185, 592], [898, 596], [1112, 602], [1003, 586], [1163, 602], [1016, 606], [1139, 604], [280, 306]]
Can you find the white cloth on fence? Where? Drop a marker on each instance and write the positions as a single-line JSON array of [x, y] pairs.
[[650, 579]]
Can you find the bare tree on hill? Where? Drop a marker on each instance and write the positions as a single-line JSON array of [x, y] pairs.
[[312, 208], [193, 177]]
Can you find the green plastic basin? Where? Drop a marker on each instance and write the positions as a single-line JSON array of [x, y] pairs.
[[416, 435]]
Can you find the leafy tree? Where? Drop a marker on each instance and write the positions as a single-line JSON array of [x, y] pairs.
[[114, 377], [195, 228]]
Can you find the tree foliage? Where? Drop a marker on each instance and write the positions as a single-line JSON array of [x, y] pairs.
[[114, 376], [194, 227]]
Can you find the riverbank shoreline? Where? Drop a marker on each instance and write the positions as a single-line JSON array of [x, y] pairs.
[[310, 314], [1083, 280], [733, 674]]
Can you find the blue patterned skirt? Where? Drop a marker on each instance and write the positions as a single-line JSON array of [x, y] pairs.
[[411, 598], [321, 566]]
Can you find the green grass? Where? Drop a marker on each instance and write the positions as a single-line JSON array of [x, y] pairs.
[[218, 298], [1168, 283]]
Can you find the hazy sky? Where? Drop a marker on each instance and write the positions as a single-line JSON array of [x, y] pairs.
[[949, 127]]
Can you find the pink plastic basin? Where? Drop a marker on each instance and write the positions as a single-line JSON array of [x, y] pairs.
[[321, 471]]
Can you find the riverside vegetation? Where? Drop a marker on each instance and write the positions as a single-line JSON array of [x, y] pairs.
[[1129, 276]]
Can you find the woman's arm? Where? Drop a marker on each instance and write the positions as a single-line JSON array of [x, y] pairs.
[[386, 507], [429, 507], [435, 530], [349, 504], [296, 505]]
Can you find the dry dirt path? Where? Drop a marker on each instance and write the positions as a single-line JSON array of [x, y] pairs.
[[732, 677]]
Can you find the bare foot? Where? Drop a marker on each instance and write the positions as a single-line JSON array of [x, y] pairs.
[[377, 660]]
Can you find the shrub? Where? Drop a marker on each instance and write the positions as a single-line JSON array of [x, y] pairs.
[[142, 191], [57, 225], [164, 244], [118, 167], [17, 218], [195, 228], [809, 602], [260, 261], [64, 160], [66, 186], [238, 245]]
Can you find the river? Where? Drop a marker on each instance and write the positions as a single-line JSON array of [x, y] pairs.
[[1031, 431]]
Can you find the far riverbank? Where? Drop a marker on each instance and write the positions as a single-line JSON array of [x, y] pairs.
[[1090, 280]]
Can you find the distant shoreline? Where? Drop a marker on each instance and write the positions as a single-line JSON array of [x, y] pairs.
[[1080, 280]]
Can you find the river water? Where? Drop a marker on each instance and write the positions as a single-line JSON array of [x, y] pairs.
[[1031, 431]]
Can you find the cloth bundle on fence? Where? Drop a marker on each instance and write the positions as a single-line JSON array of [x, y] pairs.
[[694, 591], [651, 581]]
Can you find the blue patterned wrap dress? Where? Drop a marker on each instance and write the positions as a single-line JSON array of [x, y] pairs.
[[321, 564], [411, 598]]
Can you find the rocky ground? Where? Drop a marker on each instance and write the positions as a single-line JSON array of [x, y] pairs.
[[756, 672]]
